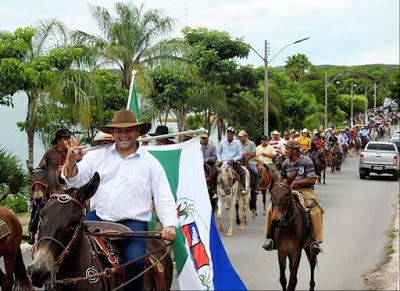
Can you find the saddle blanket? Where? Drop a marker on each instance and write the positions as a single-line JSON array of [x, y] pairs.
[[4, 229]]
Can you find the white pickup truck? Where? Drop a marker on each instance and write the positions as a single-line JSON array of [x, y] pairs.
[[380, 158]]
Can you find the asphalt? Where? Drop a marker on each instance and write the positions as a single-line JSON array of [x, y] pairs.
[[357, 221]]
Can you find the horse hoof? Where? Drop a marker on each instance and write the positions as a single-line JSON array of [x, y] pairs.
[[221, 229], [264, 212], [242, 227], [229, 233], [253, 216]]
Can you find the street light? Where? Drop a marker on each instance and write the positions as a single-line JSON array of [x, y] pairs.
[[326, 95], [352, 91], [265, 59]]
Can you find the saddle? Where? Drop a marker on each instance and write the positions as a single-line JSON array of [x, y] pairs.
[[104, 227]]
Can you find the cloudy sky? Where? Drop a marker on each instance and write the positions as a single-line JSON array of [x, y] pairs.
[[342, 32]]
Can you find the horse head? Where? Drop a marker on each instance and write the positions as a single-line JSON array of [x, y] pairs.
[[226, 178], [61, 221], [38, 182], [281, 199]]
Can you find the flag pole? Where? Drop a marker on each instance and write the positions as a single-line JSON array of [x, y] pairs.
[[130, 89], [201, 130]]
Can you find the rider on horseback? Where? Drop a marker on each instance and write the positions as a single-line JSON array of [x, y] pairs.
[[266, 153], [303, 183], [331, 142], [249, 151], [230, 150]]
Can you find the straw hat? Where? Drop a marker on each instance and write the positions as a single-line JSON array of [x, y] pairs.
[[102, 138], [275, 132], [305, 130], [205, 135], [124, 119]]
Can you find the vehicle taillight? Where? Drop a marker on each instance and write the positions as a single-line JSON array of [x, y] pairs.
[[361, 158], [395, 160]]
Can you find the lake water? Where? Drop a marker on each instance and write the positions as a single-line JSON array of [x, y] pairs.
[[16, 141]]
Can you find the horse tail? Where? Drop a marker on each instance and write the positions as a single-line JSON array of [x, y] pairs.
[[22, 281]]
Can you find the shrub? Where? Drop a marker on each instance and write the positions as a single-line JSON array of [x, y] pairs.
[[18, 204]]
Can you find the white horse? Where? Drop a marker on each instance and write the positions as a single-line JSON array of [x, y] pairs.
[[228, 190]]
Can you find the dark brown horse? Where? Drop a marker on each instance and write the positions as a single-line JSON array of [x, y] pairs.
[[63, 243], [211, 180], [333, 153], [320, 158], [292, 232], [11, 252]]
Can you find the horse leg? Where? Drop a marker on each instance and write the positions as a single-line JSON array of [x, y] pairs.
[[264, 200], [324, 175], [9, 262], [231, 216], [294, 261], [253, 204], [219, 215], [237, 205], [312, 259], [245, 206], [282, 268]]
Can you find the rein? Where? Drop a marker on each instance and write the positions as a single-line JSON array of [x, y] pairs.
[[288, 203]]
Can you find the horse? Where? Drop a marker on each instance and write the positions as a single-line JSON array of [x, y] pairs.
[[43, 182], [320, 159], [228, 190], [353, 147], [279, 161], [263, 184], [11, 252], [335, 163], [63, 242], [292, 232], [211, 180]]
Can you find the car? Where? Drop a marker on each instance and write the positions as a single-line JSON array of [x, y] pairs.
[[396, 139], [379, 158]]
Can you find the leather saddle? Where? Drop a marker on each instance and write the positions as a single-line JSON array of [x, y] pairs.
[[104, 227]]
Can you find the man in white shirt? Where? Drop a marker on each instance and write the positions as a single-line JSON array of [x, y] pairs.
[[129, 178]]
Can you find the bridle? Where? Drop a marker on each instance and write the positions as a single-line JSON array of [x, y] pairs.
[[63, 199], [45, 185], [288, 203]]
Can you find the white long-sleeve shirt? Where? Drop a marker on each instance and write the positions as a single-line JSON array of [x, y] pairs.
[[127, 186]]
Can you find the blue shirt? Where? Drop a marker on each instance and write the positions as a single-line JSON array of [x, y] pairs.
[[229, 151]]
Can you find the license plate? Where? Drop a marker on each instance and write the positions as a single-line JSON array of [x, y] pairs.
[[378, 168]]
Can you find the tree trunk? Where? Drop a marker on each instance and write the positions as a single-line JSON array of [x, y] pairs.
[[181, 117], [31, 122], [220, 125]]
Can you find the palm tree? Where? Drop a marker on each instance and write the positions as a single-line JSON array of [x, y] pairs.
[[134, 39], [295, 67]]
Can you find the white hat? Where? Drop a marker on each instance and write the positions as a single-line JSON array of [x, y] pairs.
[[305, 130], [230, 128], [242, 133], [102, 136], [275, 132]]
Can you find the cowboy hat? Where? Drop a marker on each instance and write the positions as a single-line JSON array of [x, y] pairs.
[[160, 130], [242, 133], [59, 134], [275, 132], [124, 119], [102, 137], [293, 144], [304, 130], [204, 135]]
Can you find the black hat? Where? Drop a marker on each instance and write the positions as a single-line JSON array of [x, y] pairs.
[[59, 134], [264, 137], [160, 130]]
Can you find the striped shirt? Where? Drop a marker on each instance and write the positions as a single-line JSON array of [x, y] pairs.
[[275, 144], [303, 165]]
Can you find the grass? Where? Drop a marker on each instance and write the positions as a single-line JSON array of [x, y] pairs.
[[389, 249]]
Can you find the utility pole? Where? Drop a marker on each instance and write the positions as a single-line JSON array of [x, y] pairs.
[[366, 107], [266, 120], [351, 114], [326, 100], [375, 98]]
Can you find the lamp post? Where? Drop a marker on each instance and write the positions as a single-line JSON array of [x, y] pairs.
[[266, 63], [326, 95], [352, 91]]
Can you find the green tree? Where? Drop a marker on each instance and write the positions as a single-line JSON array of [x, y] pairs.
[[295, 67], [134, 39], [359, 104]]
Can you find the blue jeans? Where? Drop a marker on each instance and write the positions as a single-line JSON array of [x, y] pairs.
[[254, 169], [133, 248]]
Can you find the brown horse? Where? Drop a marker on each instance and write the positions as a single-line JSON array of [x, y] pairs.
[[263, 184], [354, 147], [292, 232], [211, 180], [334, 158], [320, 158], [11, 251], [62, 243]]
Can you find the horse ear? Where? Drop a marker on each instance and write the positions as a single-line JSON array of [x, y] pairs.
[[87, 191], [274, 178], [29, 165], [290, 179]]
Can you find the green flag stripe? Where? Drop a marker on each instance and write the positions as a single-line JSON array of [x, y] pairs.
[[134, 104], [170, 161]]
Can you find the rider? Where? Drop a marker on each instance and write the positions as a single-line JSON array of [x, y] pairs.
[[274, 142], [209, 155], [266, 153], [130, 177], [249, 151], [305, 143], [282, 142], [161, 130], [304, 183], [55, 157], [229, 150], [335, 139]]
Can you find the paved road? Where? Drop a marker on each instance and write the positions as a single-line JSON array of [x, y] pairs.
[[356, 224]]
